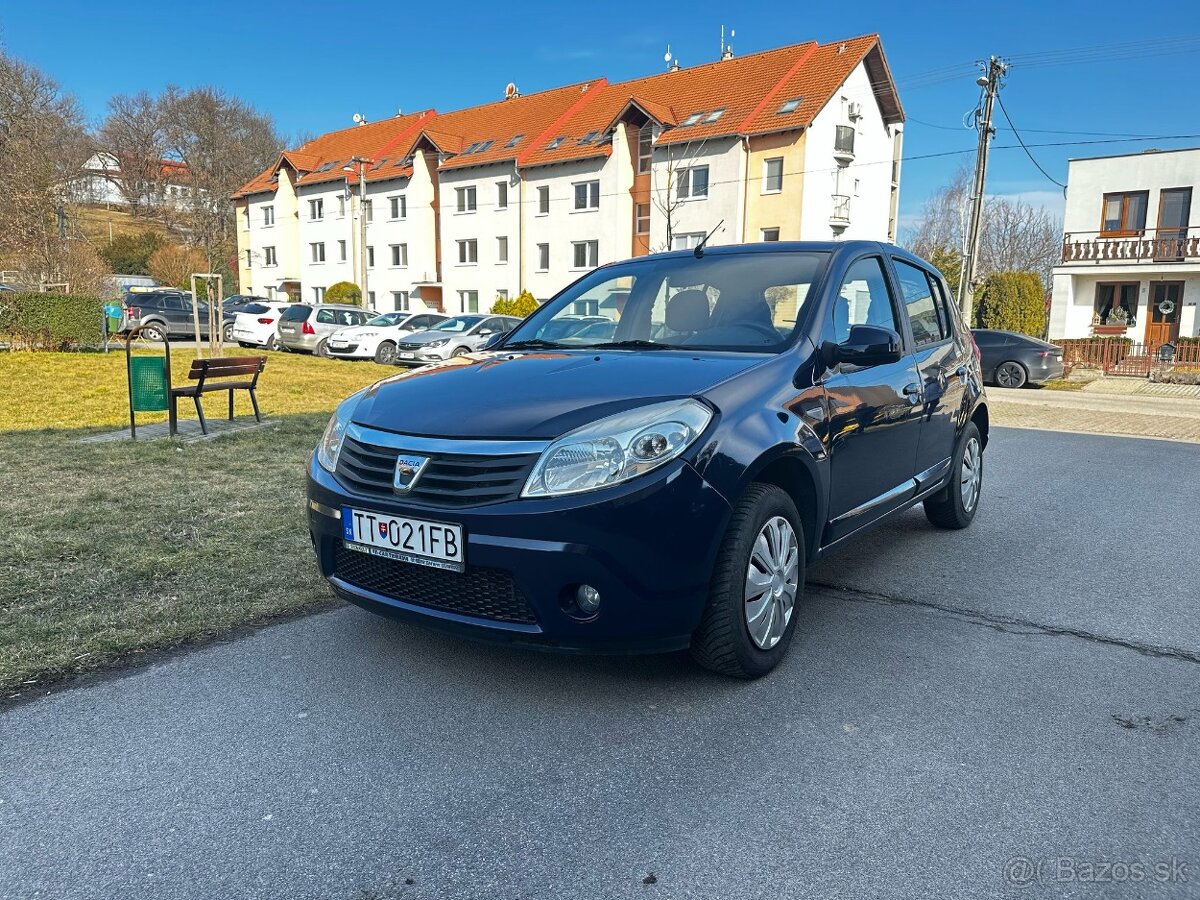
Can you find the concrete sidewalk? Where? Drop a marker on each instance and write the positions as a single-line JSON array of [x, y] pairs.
[[1170, 418]]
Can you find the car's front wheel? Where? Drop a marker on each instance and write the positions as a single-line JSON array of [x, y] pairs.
[[323, 350], [385, 354], [227, 333], [273, 343], [955, 505], [461, 351], [757, 583], [1011, 375]]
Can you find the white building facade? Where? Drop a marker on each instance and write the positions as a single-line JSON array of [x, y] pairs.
[[1130, 264]]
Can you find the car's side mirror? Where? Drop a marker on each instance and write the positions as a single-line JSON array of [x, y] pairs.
[[867, 345], [494, 338]]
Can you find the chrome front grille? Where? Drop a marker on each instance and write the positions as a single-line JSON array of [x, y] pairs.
[[449, 480]]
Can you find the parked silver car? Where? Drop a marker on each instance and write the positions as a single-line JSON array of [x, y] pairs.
[[307, 327], [454, 337]]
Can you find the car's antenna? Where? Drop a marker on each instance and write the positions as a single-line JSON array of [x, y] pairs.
[[699, 251]]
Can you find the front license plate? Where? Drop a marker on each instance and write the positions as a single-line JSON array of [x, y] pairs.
[[408, 356], [434, 544]]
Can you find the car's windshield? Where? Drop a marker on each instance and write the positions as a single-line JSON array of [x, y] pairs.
[[386, 319], [458, 323], [742, 301]]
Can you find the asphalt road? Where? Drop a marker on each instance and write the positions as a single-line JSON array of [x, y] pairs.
[[1027, 690]]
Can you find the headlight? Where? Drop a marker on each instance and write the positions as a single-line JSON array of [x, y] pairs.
[[442, 343], [617, 448], [331, 440]]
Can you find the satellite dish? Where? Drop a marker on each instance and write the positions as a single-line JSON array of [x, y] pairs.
[[667, 55], [358, 117]]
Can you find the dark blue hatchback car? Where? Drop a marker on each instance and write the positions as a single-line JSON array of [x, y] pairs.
[[663, 483]]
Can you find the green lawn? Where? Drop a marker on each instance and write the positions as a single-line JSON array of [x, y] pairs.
[[112, 549]]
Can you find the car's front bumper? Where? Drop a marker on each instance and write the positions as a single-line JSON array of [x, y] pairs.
[[647, 546], [421, 356], [350, 350]]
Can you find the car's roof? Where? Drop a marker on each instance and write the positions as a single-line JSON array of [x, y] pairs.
[[769, 247]]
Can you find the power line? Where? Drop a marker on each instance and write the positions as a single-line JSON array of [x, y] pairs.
[[1021, 141]]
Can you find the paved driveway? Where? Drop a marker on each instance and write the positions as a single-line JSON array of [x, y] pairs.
[[1028, 690]]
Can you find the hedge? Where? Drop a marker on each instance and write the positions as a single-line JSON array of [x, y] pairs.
[[1013, 301], [31, 321]]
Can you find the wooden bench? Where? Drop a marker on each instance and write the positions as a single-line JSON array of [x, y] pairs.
[[215, 375]]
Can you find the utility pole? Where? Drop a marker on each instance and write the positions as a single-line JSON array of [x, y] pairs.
[[994, 71], [362, 222]]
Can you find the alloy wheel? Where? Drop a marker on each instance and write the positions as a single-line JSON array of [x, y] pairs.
[[772, 582], [971, 474], [1010, 375]]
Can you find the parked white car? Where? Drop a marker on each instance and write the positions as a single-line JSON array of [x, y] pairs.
[[256, 325], [378, 337]]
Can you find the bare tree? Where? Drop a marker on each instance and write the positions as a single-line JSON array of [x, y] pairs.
[[42, 147], [1016, 236], [134, 133], [665, 192], [223, 142]]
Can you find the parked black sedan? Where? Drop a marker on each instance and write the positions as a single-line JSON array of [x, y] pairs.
[[1012, 360]]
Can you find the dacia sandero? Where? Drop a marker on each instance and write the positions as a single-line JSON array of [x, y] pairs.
[[662, 483]]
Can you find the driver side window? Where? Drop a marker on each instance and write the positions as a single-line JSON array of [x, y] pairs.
[[864, 299]]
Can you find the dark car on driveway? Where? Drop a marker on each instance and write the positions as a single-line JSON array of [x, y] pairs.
[[1013, 360], [667, 485], [169, 314]]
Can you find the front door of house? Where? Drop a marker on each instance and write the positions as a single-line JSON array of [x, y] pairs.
[[1162, 325]]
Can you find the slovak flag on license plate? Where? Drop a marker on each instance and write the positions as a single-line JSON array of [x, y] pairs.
[[383, 529]]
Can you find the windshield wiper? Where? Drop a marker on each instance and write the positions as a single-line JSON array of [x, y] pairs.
[[531, 344], [636, 344]]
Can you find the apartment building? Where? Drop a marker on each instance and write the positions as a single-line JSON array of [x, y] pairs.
[[530, 192], [1130, 263]]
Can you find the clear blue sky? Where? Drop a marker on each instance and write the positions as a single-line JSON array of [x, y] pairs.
[[312, 65]]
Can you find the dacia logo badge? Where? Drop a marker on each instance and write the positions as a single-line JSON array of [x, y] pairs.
[[408, 469]]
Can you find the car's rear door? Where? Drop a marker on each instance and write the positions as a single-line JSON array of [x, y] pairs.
[[874, 412], [942, 359]]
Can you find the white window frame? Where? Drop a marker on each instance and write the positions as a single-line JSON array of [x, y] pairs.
[[399, 256], [369, 206], [502, 249], [397, 208], [763, 232], [317, 249], [341, 251], [465, 200], [685, 188], [766, 175], [543, 260], [543, 192], [341, 213], [318, 294], [591, 255], [501, 195], [316, 209], [401, 301], [687, 240], [248, 258], [272, 259], [268, 216], [589, 193], [370, 257], [645, 161], [464, 297], [638, 219], [468, 252], [501, 293]]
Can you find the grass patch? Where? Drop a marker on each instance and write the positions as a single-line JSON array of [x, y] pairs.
[[111, 549], [84, 390], [1062, 384]]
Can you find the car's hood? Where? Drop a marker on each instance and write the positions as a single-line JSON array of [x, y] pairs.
[[537, 395], [353, 330], [428, 337]]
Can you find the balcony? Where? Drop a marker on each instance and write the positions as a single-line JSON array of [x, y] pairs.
[[1171, 245], [843, 144], [839, 216]]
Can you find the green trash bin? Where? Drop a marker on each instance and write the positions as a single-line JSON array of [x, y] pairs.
[[148, 383]]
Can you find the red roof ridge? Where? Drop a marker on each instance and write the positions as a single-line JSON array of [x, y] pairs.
[[589, 93], [777, 87]]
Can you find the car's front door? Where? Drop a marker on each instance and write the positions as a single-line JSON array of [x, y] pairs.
[[874, 412], [942, 360]]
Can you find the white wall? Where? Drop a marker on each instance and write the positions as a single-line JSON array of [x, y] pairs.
[[415, 229], [1074, 299], [1088, 180], [335, 226], [725, 158], [871, 169], [488, 275]]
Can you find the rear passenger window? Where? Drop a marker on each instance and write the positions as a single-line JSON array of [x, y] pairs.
[[926, 312], [326, 317]]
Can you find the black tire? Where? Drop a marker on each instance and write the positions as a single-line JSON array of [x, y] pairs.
[[947, 508], [461, 351], [1011, 374], [323, 350], [244, 344], [227, 333], [273, 343], [385, 354], [154, 332], [723, 643]]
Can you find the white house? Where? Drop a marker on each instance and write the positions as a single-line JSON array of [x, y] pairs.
[[1131, 249]]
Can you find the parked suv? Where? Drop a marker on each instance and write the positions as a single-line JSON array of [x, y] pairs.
[[307, 327], [668, 485], [451, 337], [169, 314]]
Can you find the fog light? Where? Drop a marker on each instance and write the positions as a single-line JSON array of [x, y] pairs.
[[587, 598]]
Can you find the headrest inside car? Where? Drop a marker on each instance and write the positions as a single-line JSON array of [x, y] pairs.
[[688, 311]]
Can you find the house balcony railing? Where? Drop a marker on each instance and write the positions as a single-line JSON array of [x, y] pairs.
[[843, 143], [839, 216], [1162, 246]]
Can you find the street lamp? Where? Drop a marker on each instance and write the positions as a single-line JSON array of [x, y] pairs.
[[362, 164]]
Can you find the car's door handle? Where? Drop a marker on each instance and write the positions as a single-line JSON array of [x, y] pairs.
[[960, 372], [912, 391]]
